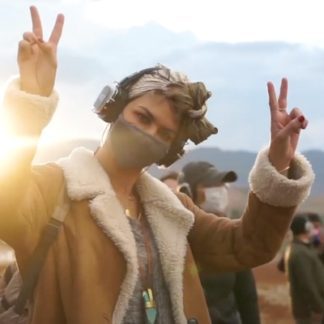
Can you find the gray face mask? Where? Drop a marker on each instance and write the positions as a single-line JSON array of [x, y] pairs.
[[132, 147]]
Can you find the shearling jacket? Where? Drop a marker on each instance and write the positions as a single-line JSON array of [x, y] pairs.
[[91, 269]]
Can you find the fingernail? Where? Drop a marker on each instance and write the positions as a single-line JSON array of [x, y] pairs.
[[301, 119]]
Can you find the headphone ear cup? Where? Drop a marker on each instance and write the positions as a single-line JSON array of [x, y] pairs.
[[114, 107], [115, 104], [175, 152]]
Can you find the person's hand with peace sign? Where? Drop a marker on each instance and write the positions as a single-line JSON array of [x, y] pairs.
[[37, 58], [285, 127]]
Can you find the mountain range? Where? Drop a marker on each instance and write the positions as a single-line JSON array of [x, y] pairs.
[[236, 74], [239, 161]]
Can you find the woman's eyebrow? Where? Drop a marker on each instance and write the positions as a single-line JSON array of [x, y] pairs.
[[146, 110], [151, 116]]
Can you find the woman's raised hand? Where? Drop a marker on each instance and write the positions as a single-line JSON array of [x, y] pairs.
[[37, 58], [285, 127]]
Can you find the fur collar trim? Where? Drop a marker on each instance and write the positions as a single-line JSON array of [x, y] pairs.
[[170, 222], [276, 189], [21, 106]]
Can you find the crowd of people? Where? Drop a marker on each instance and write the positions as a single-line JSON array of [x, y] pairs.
[[97, 239]]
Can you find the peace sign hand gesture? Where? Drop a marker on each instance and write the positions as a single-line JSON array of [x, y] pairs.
[[37, 59], [285, 127]]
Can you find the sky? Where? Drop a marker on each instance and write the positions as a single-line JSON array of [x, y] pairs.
[[225, 21], [234, 46]]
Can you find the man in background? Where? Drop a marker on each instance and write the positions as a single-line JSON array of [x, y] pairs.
[[231, 297], [305, 274]]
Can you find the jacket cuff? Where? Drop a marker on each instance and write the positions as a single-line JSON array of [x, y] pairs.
[[275, 189], [19, 105]]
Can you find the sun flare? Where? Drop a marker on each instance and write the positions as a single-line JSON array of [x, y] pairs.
[[9, 144], [6, 143]]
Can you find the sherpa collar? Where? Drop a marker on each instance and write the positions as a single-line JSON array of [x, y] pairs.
[[170, 222]]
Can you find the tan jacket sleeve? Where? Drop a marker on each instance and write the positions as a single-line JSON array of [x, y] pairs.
[[222, 244], [22, 190]]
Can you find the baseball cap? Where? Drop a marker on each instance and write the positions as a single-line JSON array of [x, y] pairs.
[[206, 174]]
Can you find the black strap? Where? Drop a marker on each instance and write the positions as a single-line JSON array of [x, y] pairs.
[[9, 272], [37, 259], [4, 303]]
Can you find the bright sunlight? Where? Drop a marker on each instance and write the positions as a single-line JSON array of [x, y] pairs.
[[7, 143]]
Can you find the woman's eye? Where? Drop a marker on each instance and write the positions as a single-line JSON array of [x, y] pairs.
[[143, 118]]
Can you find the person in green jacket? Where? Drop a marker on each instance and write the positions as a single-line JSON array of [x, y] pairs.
[[305, 274]]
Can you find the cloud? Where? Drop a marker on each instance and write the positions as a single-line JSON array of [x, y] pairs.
[[227, 21], [91, 56]]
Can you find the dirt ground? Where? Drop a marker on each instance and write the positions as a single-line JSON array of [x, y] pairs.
[[273, 292]]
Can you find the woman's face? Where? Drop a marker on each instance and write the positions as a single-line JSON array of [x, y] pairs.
[[154, 115]]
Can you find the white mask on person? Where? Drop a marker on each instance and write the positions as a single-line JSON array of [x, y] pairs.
[[216, 199]]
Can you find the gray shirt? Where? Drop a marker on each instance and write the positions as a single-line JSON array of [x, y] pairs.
[[135, 313]]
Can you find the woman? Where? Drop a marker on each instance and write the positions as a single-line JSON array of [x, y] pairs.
[[126, 237]]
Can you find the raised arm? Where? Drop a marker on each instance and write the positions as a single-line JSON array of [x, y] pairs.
[[37, 58], [285, 128], [29, 103], [223, 244]]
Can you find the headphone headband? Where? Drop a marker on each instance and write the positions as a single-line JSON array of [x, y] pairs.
[[133, 78], [111, 100]]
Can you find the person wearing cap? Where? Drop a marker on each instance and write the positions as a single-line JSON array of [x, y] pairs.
[[128, 249], [207, 186], [231, 296], [305, 274]]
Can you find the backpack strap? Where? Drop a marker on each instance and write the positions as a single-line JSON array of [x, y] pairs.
[[37, 259], [9, 272]]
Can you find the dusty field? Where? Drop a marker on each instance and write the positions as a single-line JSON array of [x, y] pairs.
[[273, 294]]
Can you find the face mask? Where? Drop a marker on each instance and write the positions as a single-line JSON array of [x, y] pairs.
[[132, 147], [216, 199]]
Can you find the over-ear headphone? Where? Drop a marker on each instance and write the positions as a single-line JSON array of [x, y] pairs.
[[112, 100]]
